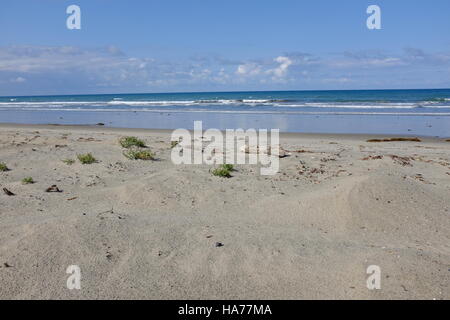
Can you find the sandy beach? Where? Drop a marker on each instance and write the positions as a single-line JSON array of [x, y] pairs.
[[154, 230]]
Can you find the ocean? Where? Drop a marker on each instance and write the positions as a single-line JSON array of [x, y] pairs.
[[412, 112]]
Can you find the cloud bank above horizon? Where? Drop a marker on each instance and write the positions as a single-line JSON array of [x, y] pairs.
[[34, 70]]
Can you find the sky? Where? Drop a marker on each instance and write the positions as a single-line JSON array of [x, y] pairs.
[[145, 46]]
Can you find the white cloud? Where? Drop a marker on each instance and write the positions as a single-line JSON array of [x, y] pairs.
[[277, 69], [72, 69], [17, 80], [337, 80], [249, 69], [282, 69]]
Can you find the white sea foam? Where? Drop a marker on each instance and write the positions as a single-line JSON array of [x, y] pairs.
[[116, 104], [44, 103]]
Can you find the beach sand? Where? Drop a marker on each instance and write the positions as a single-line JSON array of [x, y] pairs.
[[149, 229]]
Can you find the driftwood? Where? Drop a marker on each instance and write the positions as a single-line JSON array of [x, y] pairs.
[[395, 140], [7, 192], [53, 188]]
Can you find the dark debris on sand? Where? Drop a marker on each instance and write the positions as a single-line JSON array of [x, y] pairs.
[[8, 193]]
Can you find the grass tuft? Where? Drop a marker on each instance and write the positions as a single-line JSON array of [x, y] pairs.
[[69, 161], [3, 167], [27, 180], [135, 154], [223, 171], [128, 142], [228, 167], [86, 158]]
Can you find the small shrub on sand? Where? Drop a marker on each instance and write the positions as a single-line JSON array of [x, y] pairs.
[[128, 142], [3, 167], [223, 171], [27, 180], [139, 155], [173, 144], [86, 158], [68, 161], [228, 167]]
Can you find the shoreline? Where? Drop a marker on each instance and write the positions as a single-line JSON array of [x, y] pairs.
[[430, 126], [294, 135]]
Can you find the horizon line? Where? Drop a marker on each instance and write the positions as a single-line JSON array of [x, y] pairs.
[[200, 92]]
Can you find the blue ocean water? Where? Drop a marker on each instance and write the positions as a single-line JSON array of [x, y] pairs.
[[318, 102], [362, 111]]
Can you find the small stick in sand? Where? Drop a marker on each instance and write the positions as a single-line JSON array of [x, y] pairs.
[[7, 192]]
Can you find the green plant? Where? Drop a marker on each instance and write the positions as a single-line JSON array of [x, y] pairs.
[[228, 167], [128, 142], [223, 171], [139, 155], [3, 167], [68, 161], [173, 144], [86, 158], [27, 180]]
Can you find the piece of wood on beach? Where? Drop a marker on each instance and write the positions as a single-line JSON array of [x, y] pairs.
[[53, 188], [395, 140], [7, 192], [90, 139]]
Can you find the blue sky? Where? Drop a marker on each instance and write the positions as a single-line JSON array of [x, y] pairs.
[[209, 45]]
